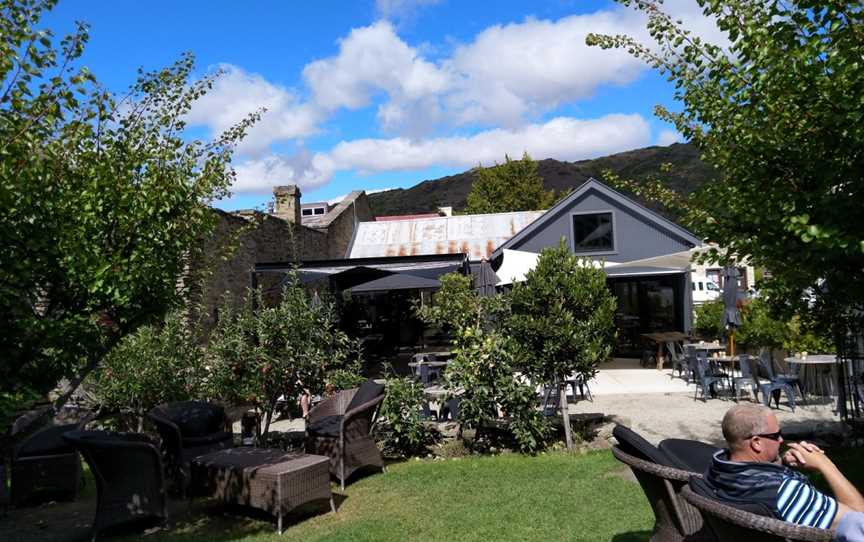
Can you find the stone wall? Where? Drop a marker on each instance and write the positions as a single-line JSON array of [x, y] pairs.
[[341, 223], [224, 273]]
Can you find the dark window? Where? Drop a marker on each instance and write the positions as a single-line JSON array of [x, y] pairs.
[[307, 212], [319, 210], [593, 233]]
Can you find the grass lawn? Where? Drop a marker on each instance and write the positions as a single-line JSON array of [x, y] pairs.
[[554, 496]]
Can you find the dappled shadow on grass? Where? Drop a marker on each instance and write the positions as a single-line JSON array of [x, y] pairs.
[[632, 536]]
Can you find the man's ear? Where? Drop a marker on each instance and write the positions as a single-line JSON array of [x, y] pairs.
[[755, 444]]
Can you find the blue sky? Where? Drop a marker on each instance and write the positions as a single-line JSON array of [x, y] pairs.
[[387, 93]]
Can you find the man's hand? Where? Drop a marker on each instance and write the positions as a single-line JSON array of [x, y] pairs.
[[806, 455]]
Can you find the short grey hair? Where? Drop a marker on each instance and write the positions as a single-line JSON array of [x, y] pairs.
[[742, 422]]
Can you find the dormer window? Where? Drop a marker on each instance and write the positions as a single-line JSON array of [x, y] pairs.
[[593, 232]]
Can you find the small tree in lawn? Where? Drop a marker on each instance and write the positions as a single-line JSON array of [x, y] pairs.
[[482, 366], [257, 355], [562, 321]]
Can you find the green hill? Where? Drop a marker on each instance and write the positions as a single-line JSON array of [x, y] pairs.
[[688, 174]]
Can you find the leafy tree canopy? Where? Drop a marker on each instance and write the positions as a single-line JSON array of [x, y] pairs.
[[562, 320], [511, 186], [103, 199], [778, 111]]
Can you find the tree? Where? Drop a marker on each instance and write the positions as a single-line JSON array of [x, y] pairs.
[[255, 355], [562, 321], [482, 368], [777, 110], [156, 364], [511, 186], [103, 200]]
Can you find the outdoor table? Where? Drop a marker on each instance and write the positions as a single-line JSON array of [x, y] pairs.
[[268, 479], [731, 361], [661, 338], [707, 347], [422, 356], [819, 373]]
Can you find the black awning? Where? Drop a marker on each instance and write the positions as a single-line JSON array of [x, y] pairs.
[[397, 281]]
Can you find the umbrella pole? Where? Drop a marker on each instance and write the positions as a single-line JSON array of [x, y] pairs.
[[732, 342]]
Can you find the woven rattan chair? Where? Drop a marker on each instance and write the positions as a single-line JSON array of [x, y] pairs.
[[44, 465], [339, 427], [729, 523], [190, 429], [674, 519], [128, 472]]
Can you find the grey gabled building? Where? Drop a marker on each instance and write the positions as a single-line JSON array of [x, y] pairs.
[[652, 277]]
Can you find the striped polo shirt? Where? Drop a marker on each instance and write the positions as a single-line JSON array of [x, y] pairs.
[[788, 494]]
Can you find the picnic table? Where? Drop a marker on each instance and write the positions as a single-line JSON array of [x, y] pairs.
[[661, 338]]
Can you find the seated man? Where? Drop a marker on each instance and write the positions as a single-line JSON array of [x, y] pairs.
[[751, 472]]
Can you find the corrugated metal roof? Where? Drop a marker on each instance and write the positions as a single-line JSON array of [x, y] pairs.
[[475, 235]]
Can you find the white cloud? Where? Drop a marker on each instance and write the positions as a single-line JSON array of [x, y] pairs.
[[668, 137], [304, 169], [237, 93], [372, 59], [495, 86], [563, 138]]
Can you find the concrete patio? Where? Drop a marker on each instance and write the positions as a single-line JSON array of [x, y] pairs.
[[658, 406]]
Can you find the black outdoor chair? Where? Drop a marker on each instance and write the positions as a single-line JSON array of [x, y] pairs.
[[674, 519], [45, 466], [190, 429], [689, 455], [129, 479], [550, 401], [679, 360], [793, 378], [747, 378], [705, 381], [690, 361], [773, 388]]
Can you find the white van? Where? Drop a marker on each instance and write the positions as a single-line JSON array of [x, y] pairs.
[[704, 289]]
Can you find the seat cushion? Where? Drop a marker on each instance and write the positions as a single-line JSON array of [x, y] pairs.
[[196, 418], [632, 443], [47, 441], [212, 438], [368, 390], [689, 455], [327, 426]]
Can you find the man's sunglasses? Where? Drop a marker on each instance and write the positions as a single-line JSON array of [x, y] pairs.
[[773, 436]]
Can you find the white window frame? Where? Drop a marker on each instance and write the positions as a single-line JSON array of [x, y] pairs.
[[614, 233]]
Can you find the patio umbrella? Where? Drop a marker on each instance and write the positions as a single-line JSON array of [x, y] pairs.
[[316, 300], [731, 314], [485, 279]]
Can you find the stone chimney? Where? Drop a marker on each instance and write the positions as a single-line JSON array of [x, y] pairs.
[[287, 206]]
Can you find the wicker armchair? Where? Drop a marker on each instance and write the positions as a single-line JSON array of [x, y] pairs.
[[674, 519], [339, 428], [730, 523], [44, 464], [128, 472], [190, 429]]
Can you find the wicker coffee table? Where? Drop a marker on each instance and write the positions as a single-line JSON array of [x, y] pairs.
[[271, 480]]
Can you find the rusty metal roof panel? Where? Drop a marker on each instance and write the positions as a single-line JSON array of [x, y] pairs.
[[475, 235]]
